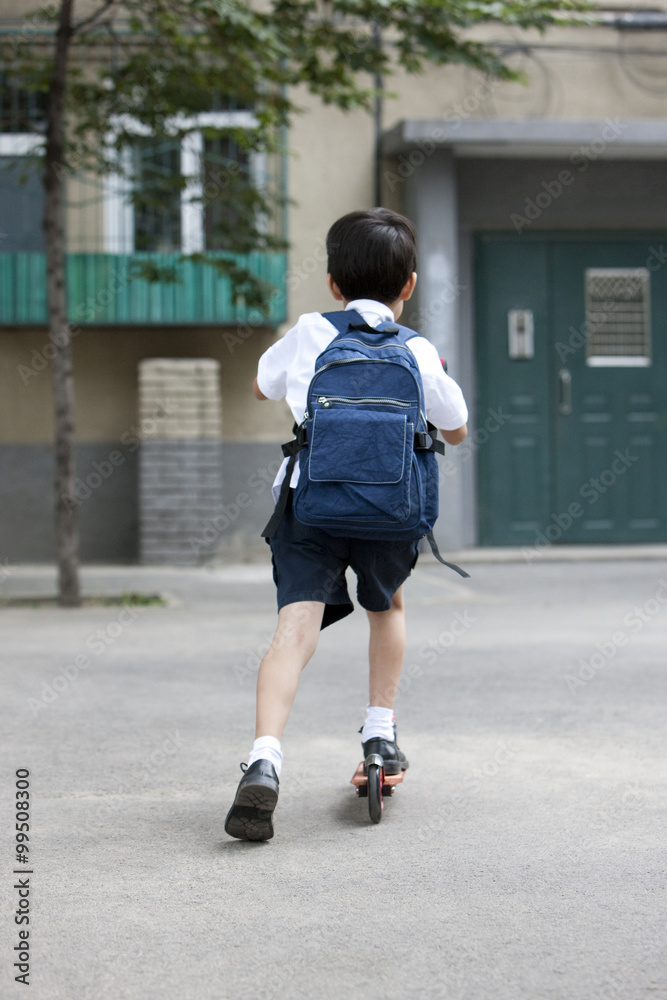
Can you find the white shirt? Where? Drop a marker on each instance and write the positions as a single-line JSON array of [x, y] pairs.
[[286, 369]]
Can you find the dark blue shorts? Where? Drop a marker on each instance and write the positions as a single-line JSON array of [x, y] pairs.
[[309, 565]]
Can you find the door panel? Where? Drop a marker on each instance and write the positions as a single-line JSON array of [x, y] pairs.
[[579, 455], [515, 457], [606, 446]]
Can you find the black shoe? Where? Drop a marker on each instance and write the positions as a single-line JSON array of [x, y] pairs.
[[256, 798], [394, 759]]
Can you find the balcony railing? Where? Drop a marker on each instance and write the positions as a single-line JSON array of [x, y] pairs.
[[103, 289]]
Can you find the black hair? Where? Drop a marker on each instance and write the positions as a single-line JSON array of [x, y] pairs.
[[371, 254]]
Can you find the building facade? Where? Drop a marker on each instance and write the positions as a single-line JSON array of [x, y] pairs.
[[542, 218]]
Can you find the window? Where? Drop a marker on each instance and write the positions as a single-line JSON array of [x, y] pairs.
[[224, 166], [157, 210], [173, 195], [21, 111], [22, 121], [618, 321]]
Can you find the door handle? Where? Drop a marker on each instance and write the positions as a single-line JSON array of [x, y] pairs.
[[565, 392]]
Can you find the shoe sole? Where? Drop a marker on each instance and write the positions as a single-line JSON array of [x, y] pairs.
[[250, 818], [393, 766]]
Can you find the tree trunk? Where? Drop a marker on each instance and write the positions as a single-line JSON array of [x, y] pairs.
[[67, 535]]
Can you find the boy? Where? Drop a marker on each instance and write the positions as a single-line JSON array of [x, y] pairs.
[[371, 268]]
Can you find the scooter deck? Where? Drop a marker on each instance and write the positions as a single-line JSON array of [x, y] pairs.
[[359, 778]]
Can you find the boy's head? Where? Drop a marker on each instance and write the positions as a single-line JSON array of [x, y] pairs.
[[372, 254]]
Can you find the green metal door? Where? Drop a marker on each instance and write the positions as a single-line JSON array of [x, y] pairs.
[[514, 450], [572, 354]]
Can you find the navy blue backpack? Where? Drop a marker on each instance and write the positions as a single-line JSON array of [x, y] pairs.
[[366, 450]]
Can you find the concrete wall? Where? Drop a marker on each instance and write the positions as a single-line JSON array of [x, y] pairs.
[[602, 194], [105, 368], [108, 506], [106, 363], [106, 502]]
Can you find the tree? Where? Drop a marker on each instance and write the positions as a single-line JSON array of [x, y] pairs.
[[159, 62]]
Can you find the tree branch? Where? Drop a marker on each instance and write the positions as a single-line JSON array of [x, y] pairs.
[[86, 23]]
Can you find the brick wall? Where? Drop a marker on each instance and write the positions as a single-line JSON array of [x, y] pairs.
[[180, 474]]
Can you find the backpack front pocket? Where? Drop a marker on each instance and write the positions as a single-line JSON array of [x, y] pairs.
[[357, 470], [354, 447]]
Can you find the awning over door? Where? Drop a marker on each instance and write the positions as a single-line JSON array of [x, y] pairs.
[[529, 138]]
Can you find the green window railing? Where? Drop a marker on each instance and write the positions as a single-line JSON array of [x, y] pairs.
[[104, 289]]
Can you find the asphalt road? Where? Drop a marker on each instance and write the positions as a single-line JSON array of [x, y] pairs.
[[523, 858]]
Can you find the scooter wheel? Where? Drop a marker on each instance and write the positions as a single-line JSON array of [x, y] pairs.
[[375, 804]]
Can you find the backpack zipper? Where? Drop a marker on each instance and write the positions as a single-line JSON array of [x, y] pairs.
[[357, 361], [373, 347], [326, 401]]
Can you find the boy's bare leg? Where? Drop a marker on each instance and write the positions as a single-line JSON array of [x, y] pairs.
[[293, 645], [386, 651], [295, 641]]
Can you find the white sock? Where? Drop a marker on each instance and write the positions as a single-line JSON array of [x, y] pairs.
[[379, 722], [267, 748]]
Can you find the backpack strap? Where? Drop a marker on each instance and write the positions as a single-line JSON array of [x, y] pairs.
[[350, 319], [436, 552], [343, 319], [290, 450]]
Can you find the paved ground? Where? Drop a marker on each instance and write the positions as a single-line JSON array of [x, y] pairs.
[[522, 859]]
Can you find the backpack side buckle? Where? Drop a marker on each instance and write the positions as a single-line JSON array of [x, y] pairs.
[[428, 440], [299, 441]]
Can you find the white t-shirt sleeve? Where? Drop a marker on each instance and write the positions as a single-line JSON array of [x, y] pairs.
[[274, 365], [443, 399]]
